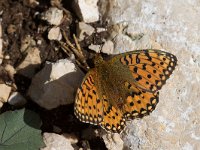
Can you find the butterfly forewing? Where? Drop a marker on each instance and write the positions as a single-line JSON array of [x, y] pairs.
[[150, 68]]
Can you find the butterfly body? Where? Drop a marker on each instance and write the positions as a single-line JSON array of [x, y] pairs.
[[122, 88], [110, 80]]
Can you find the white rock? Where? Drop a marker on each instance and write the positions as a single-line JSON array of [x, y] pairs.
[[16, 99], [108, 47], [113, 141], [87, 10], [30, 63], [4, 92], [39, 42], [56, 142], [55, 34], [6, 56], [95, 48], [56, 84], [100, 30], [83, 30], [53, 16]]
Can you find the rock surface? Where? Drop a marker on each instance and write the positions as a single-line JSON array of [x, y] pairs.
[[56, 84], [174, 25], [113, 141]]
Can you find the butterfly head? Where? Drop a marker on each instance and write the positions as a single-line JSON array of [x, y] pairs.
[[98, 60]]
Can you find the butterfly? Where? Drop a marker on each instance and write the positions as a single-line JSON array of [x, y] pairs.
[[123, 88]]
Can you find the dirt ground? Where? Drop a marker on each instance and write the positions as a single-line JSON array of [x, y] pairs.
[[19, 19]]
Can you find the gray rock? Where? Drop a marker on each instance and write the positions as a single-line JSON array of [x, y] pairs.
[[56, 84], [16, 99]]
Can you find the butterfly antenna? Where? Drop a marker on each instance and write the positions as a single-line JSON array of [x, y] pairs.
[[69, 48]]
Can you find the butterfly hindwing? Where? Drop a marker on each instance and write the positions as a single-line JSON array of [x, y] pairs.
[[113, 119], [88, 106], [150, 68]]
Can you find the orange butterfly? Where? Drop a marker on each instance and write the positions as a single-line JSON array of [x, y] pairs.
[[123, 88]]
